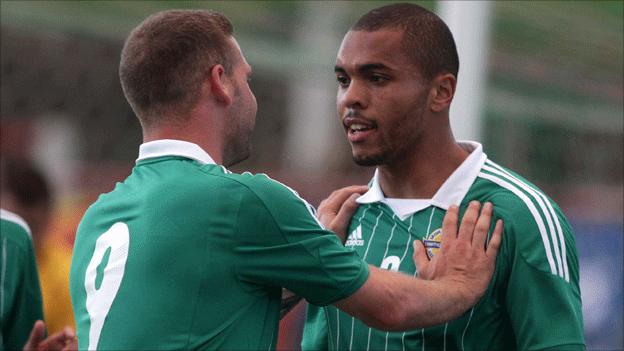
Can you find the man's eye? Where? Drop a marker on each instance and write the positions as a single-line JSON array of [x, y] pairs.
[[342, 81], [375, 78]]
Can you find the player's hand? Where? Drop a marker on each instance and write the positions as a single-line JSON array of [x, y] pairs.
[[64, 340], [336, 211], [464, 260]]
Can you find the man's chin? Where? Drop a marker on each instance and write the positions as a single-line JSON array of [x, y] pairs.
[[232, 160], [366, 161]]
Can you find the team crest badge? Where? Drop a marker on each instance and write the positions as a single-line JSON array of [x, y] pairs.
[[432, 242]]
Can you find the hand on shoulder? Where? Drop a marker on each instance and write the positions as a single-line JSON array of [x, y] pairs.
[[335, 211]]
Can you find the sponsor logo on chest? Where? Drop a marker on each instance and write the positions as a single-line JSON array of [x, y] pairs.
[[355, 238]]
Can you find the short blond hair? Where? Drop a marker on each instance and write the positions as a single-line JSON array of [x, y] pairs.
[[166, 58]]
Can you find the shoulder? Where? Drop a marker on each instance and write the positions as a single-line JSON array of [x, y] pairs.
[[186, 177], [186, 182], [219, 177], [264, 187], [279, 199], [14, 228], [535, 228], [516, 199], [245, 188]]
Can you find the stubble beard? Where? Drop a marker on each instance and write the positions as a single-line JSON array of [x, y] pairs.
[[236, 153], [369, 161], [238, 146], [377, 158], [390, 150]]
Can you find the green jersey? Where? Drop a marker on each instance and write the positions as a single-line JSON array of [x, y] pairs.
[[20, 295], [533, 301], [184, 254]]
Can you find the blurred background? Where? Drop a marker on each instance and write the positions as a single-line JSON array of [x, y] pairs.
[[542, 85]]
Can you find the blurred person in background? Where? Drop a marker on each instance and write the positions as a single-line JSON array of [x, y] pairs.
[[184, 254], [21, 303], [26, 192], [397, 72], [21, 314]]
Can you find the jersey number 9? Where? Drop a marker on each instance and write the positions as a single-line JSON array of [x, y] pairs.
[[112, 247]]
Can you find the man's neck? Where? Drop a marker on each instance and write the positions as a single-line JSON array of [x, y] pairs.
[[420, 174], [197, 136]]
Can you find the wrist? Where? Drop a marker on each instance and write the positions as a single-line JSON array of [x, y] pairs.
[[460, 296]]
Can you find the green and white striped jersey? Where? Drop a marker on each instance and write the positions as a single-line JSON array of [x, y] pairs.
[[20, 295], [184, 254], [533, 301]]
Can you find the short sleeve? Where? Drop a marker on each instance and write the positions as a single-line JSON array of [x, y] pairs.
[[23, 303], [542, 296], [281, 244]]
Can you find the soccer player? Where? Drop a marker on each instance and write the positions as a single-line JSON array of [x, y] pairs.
[[21, 309], [184, 254], [26, 192], [21, 303], [396, 71]]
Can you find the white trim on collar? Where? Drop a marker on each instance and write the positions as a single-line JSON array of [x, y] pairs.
[[169, 147], [450, 193]]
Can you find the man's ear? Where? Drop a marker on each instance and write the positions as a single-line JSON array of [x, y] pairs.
[[442, 91], [220, 84]]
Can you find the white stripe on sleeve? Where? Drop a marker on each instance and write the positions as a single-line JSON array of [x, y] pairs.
[[534, 212]]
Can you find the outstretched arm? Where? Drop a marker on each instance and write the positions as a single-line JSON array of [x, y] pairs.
[[334, 213], [459, 274]]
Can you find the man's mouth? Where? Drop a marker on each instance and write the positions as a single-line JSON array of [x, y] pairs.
[[358, 129]]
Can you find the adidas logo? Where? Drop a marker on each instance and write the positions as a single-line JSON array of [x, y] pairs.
[[355, 238]]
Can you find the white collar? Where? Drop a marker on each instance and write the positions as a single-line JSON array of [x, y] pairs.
[[169, 147], [450, 193]]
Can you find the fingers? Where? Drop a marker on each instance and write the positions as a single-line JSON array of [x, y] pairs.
[[71, 341], [71, 345], [53, 342], [420, 256], [37, 334], [342, 219], [334, 202], [469, 221], [58, 340], [495, 240], [336, 211], [449, 225], [482, 227]]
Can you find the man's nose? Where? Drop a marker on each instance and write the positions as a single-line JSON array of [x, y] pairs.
[[355, 96]]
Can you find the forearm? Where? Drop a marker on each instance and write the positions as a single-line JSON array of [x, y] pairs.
[[426, 302], [396, 302]]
